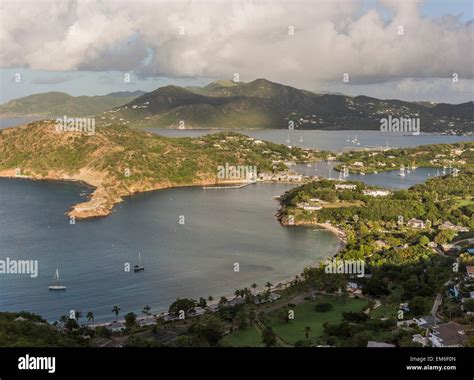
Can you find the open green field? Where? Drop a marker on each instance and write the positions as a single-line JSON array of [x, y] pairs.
[[305, 315], [385, 311], [250, 337]]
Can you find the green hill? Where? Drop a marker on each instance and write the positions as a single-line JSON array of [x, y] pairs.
[[120, 161], [265, 104], [52, 104]]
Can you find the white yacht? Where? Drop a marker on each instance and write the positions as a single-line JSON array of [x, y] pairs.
[[56, 284]]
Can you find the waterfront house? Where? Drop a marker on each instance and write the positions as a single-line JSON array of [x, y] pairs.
[[266, 297], [448, 335], [116, 327], [197, 312]]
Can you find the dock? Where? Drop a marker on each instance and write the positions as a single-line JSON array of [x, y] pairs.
[[239, 186]]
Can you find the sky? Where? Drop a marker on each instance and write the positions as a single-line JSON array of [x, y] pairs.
[[390, 49]]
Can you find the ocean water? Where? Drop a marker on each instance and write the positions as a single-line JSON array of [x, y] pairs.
[[194, 259]]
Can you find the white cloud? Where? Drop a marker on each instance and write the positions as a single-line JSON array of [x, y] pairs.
[[249, 37]]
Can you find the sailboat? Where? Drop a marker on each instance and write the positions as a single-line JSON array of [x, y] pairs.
[[288, 139], [301, 139], [444, 170], [56, 285], [139, 267], [402, 171], [348, 138]]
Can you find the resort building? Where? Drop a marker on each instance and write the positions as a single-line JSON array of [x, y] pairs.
[[308, 207], [377, 193], [342, 186]]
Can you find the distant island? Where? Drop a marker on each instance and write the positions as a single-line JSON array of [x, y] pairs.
[[259, 104], [52, 104]]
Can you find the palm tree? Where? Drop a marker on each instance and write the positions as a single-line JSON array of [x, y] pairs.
[[237, 293], [307, 330], [268, 285], [254, 286], [223, 300], [210, 299], [63, 319], [78, 315], [146, 310], [116, 310], [90, 316]]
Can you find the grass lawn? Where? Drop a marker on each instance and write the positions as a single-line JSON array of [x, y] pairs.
[[250, 337], [385, 310], [305, 315]]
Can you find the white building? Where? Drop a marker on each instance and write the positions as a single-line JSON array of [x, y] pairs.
[[377, 193]]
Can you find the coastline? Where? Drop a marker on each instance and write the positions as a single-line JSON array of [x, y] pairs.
[[103, 199], [279, 285]]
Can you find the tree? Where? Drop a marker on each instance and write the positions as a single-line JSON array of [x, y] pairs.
[[78, 315], [424, 240], [268, 336], [323, 307], [202, 302], [307, 331], [71, 324], [90, 316], [210, 299], [130, 319], [268, 285], [469, 305], [185, 304], [209, 328], [444, 237], [254, 287], [146, 310], [116, 310], [223, 301], [419, 305]]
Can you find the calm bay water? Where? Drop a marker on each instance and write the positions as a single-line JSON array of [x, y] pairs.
[[329, 140], [8, 122], [387, 179], [222, 227]]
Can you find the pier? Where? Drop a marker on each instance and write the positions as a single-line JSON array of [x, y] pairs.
[[238, 186]]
